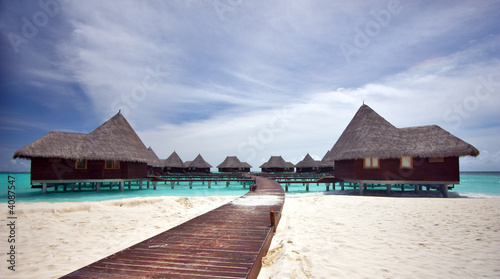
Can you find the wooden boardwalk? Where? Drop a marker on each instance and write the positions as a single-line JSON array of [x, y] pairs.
[[227, 242]]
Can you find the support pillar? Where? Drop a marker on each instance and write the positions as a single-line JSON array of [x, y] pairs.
[[73, 187], [172, 184], [129, 185], [388, 188], [209, 184], [98, 186], [307, 187], [341, 186], [286, 187], [227, 183], [122, 183], [44, 188], [444, 190], [154, 184], [361, 188], [147, 184], [327, 186], [402, 187], [417, 189], [333, 186], [190, 184], [140, 184]]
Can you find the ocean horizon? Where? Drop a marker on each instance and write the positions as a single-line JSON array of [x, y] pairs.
[[472, 185]]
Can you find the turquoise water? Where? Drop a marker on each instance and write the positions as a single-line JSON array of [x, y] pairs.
[[471, 185]]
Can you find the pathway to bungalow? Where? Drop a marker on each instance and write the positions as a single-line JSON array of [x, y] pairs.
[[227, 242]]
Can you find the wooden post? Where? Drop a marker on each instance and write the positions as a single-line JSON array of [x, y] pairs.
[[388, 188], [327, 186], [64, 187], [244, 184], [341, 186], [190, 184], [147, 184], [44, 188], [361, 188], [333, 186], [354, 186], [227, 183], [79, 186], [443, 188], [140, 184], [209, 184], [416, 187], [286, 187], [129, 185], [98, 186], [122, 183], [73, 187], [154, 184], [273, 220], [402, 187], [172, 184], [307, 187]]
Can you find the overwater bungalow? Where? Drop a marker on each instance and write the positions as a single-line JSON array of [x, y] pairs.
[[198, 165], [307, 165], [277, 164], [233, 164], [173, 164], [112, 152], [155, 165], [371, 150]]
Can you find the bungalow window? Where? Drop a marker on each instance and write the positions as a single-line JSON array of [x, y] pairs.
[[371, 163], [80, 164], [406, 162], [112, 164]]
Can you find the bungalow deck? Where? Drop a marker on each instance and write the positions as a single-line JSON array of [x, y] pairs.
[[228, 242]]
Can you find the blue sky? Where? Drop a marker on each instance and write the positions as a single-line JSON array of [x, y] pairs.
[[248, 78]]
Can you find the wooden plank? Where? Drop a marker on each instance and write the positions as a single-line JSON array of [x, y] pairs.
[[227, 242]]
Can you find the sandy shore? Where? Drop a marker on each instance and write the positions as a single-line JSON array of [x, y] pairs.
[[54, 239], [318, 237], [379, 237]]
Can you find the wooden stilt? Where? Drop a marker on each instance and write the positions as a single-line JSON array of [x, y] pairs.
[[140, 184], [402, 187], [172, 184], [209, 184], [361, 188], [354, 186], [80, 186], [122, 184], [44, 188], [98, 186], [227, 183], [416, 187], [154, 184], [388, 189], [333, 186], [286, 187], [327, 186], [129, 185], [341, 186], [307, 187], [73, 187], [147, 184], [444, 190], [190, 184]]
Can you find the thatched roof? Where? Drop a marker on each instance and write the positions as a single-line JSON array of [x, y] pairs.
[[173, 161], [370, 135], [233, 162], [154, 161], [113, 140], [277, 162], [199, 163], [308, 162]]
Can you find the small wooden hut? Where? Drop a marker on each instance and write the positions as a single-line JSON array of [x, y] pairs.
[[277, 164], [371, 150], [155, 165], [198, 165], [233, 164], [173, 164], [112, 152], [307, 165]]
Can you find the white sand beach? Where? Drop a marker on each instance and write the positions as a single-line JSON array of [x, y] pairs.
[[54, 239], [318, 237], [380, 237]]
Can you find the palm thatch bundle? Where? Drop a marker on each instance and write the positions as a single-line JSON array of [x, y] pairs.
[[232, 162], [308, 162], [277, 162], [173, 161], [113, 140], [154, 160], [370, 135], [199, 163]]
